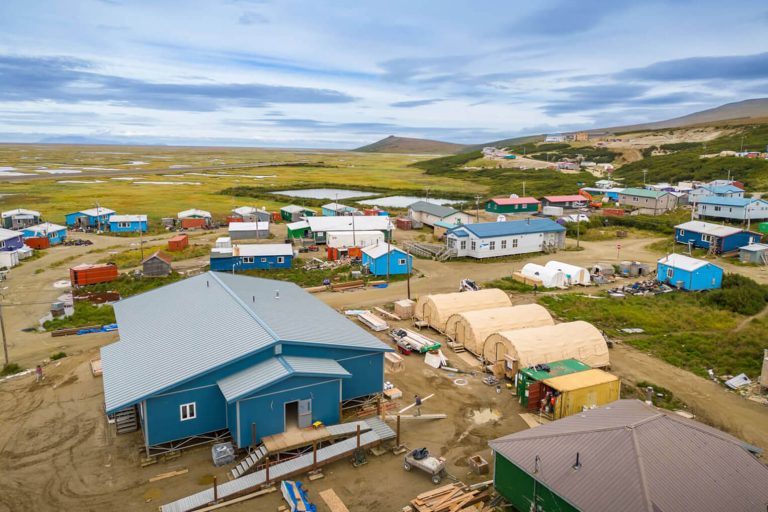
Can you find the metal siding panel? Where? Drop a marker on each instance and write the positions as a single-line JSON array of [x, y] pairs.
[[163, 415]]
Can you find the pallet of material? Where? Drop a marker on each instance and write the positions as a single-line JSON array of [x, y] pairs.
[[449, 498], [359, 283], [333, 501], [96, 367], [520, 278], [387, 314], [72, 331], [372, 321]]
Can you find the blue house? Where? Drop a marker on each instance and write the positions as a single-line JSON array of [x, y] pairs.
[[128, 223], [90, 218], [375, 260], [706, 235], [251, 257], [10, 240], [53, 232], [688, 273], [336, 209], [220, 354]]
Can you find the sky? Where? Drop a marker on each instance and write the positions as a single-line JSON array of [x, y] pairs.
[[333, 74]]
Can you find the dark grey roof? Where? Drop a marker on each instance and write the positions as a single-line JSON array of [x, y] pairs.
[[432, 209], [639, 458], [178, 332]]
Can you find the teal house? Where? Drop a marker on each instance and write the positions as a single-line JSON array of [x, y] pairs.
[[220, 355], [91, 218], [379, 261], [512, 205], [53, 232], [128, 223]]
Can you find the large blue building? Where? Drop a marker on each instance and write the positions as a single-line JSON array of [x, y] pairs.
[[375, 260], [720, 238], [91, 218], [688, 273], [53, 232], [219, 353], [236, 258], [128, 223]]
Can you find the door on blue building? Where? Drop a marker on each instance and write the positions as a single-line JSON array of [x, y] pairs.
[[298, 414]]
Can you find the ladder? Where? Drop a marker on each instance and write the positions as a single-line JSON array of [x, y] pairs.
[[127, 421], [250, 462]]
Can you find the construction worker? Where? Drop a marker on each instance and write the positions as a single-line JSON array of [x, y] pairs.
[[39, 373], [417, 401]]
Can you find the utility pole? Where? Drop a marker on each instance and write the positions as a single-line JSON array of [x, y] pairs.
[[408, 267], [2, 332], [742, 144], [477, 208], [645, 173], [578, 230], [523, 188], [389, 251]]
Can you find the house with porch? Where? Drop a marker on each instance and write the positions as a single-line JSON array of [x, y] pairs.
[[493, 239], [649, 202], [20, 218], [718, 238], [220, 355], [128, 223], [741, 209], [53, 232], [429, 213], [90, 218]]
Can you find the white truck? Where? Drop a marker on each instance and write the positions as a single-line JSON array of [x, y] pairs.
[[552, 211]]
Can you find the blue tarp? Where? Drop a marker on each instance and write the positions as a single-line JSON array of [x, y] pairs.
[[103, 328]]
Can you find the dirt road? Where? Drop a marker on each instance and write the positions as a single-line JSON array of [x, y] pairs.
[[709, 401]]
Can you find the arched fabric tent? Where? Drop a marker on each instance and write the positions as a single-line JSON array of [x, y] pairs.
[[436, 309], [471, 328], [573, 274], [549, 278], [522, 348]]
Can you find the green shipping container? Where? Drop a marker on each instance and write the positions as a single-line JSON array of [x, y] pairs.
[[763, 227], [528, 376], [523, 491]]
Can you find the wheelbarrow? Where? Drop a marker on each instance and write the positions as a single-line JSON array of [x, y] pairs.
[[420, 459]]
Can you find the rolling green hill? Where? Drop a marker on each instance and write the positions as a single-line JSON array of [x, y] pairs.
[[393, 144]]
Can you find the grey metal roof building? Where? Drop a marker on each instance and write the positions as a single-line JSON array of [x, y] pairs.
[[628, 456], [238, 334]]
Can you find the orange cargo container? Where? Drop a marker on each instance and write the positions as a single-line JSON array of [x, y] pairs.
[[178, 243], [617, 212], [276, 217], [355, 252], [38, 243], [90, 274], [193, 223]]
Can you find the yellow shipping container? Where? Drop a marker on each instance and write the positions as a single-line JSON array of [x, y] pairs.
[[590, 388]]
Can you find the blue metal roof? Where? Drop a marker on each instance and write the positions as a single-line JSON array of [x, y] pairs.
[[176, 333], [274, 370], [509, 228], [725, 189], [727, 201]]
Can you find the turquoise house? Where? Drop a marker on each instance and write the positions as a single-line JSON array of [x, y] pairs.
[[53, 232], [688, 273], [128, 223], [375, 260], [219, 355], [91, 218]]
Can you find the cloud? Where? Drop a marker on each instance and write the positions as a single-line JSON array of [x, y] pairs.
[[67, 80], [414, 103], [252, 18], [591, 97], [565, 17], [735, 67]]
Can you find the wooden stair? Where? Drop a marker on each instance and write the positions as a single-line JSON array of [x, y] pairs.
[[250, 462], [127, 421]]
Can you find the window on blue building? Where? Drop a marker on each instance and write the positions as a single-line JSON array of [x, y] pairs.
[[188, 411], [281, 259]]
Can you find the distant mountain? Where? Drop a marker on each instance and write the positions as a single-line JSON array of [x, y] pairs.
[[743, 111], [393, 144], [80, 139]]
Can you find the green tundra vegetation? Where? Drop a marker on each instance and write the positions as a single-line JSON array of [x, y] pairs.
[[694, 331]]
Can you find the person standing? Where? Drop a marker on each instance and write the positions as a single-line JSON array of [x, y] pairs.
[[417, 401], [39, 373]]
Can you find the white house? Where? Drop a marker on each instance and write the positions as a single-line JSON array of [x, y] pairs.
[[493, 239], [429, 213], [733, 208]]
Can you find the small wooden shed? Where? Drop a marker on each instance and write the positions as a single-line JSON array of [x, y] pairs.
[[157, 265]]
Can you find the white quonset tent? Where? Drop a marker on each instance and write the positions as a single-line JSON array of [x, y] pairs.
[[471, 328], [536, 345], [573, 274], [550, 278], [436, 309]]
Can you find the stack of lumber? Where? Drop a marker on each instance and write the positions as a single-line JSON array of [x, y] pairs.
[[450, 498], [349, 285]]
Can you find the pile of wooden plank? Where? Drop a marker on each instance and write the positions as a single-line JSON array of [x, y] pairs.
[[451, 498]]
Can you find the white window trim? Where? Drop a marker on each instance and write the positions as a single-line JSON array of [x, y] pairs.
[[263, 260], [401, 261], [670, 272], [247, 259], [123, 224], [185, 408], [281, 259]]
